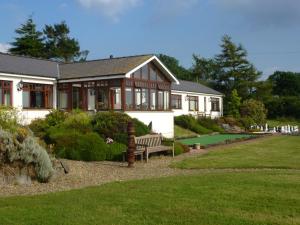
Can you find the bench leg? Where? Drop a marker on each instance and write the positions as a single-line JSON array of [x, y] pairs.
[[173, 152], [147, 155]]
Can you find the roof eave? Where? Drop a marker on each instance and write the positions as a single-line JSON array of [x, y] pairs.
[[161, 65]]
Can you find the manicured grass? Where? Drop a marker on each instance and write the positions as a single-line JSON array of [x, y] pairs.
[[272, 152], [221, 198], [213, 139], [180, 132]]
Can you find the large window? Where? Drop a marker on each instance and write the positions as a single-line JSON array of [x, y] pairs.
[[39, 96], [215, 104], [176, 101], [116, 95], [5, 93], [153, 104], [129, 98], [193, 103]]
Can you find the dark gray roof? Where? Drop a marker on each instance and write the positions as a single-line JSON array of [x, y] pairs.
[[101, 67], [28, 66], [190, 86]]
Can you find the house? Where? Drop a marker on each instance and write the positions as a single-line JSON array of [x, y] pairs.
[[194, 98], [140, 86]]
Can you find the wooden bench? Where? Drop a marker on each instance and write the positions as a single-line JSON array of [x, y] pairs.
[[152, 143]]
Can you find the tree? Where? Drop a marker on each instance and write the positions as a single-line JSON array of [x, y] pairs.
[[233, 105], [173, 65], [203, 69], [29, 41], [60, 46], [254, 110], [285, 83], [235, 71]]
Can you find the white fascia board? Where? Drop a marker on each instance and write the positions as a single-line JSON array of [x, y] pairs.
[[194, 93], [160, 63], [91, 79], [27, 77]]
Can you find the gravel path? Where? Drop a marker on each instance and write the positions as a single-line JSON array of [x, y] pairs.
[[84, 174]]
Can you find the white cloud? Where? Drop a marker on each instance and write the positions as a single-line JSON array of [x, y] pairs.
[[110, 8], [4, 47], [264, 13]]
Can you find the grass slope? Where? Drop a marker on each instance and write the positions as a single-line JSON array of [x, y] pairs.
[[180, 132], [222, 198], [273, 152]]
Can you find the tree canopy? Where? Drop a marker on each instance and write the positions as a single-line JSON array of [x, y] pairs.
[[53, 43], [234, 70], [173, 65], [29, 41]]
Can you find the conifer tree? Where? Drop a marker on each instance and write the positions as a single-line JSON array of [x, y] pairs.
[[29, 41]]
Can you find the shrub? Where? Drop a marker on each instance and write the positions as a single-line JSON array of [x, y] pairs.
[[180, 148], [78, 121], [8, 118], [247, 122], [114, 125], [56, 117], [255, 110], [115, 151], [210, 124], [28, 151], [189, 122], [73, 144]]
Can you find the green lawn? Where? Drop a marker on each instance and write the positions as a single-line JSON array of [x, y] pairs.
[[272, 152], [180, 132], [230, 197], [213, 139], [221, 198]]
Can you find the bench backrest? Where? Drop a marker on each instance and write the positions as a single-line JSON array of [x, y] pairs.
[[151, 140]]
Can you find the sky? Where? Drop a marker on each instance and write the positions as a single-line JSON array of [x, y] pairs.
[[268, 29]]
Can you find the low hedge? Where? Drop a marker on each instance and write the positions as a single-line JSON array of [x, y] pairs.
[[189, 122]]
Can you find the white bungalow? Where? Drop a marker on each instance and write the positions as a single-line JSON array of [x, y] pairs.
[[140, 86]]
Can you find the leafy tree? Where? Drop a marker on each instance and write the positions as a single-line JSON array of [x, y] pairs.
[[235, 71], [60, 46], [285, 83], [263, 91], [174, 66], [255, 110], [233, 105], [29, 41], [203, 69]]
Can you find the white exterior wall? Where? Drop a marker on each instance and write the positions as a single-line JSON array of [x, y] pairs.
[[201, 98], [27, 115], [162, 122]]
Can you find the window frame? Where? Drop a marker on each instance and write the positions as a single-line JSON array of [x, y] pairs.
[[46, 89], [196, 100], [6, 88], [215, 104], [178, 100]]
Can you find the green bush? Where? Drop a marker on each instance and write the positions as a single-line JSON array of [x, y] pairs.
[[247, 122], [189, 122], [8, 118], [114, 125], [210, 124], [115, 151], [180, 148], [73, 144], [255, 110]]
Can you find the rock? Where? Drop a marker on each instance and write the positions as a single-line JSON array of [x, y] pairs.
[[65, 166], [23, 180]]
